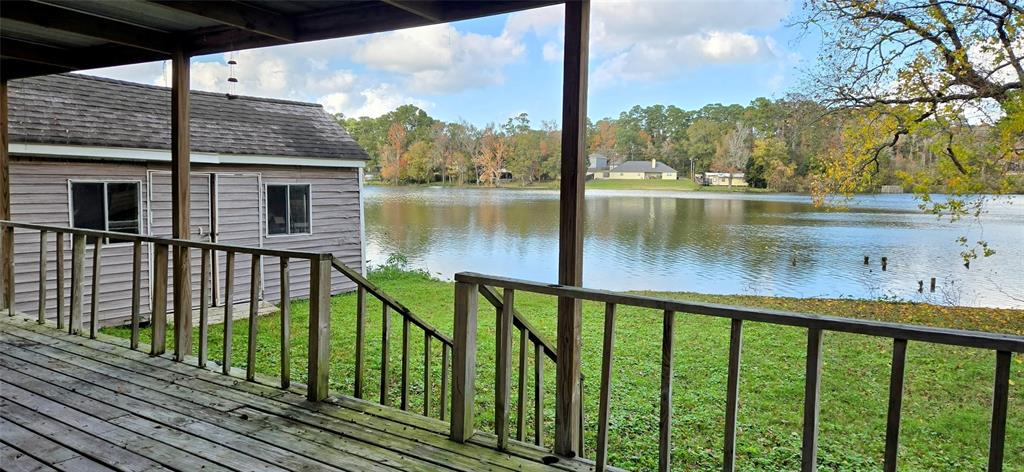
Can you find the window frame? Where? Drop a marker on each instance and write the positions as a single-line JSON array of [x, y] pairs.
[[106, 209], [288, 209]]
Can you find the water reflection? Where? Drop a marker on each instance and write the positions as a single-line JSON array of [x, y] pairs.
[[746, 243]]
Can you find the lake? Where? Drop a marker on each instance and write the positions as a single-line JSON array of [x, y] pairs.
[[721, 243]]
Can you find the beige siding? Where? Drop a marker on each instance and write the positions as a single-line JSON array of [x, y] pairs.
[[39, 194], [199, 220]]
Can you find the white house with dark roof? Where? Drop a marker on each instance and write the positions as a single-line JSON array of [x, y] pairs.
[[640, 170], [94, 153]]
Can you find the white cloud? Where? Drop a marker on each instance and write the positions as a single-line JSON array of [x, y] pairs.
[[650, 40], [439, 58], [371, 102]]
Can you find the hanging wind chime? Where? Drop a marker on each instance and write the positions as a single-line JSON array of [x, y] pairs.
[[232, 80]]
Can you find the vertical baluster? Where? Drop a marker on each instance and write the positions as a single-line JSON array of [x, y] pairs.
[[521, 402], [385, 327], [158, 322], [405, 362], [581, 451], [444, 382], [229, 308], [94, 305], [136, 292], [464, 365], [503, 375], [204, 306], [254, 310], [77, 271], [538, 394], [1000, 392], [60, 281], [360, 339], [606, 386], [665, 429], [426, 373], [812, 391], [892, 426], [286, 325], [732, 392], [42, 277], [7, 267]]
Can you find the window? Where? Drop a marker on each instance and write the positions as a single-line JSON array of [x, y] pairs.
[[288, 209], [105, 206]]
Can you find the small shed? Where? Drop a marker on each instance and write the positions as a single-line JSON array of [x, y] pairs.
[[94, 153]]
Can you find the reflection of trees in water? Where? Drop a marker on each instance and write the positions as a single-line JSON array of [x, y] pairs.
[[654, 232]]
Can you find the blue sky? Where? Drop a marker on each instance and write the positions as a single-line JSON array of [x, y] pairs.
[[686, 53]]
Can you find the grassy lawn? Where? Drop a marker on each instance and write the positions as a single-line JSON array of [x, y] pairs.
[[946, 404]]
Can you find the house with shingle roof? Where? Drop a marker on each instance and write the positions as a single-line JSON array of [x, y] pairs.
[[94, 153], [639, 170]]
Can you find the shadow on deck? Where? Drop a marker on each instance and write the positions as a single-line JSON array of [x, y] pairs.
[[74, 403]]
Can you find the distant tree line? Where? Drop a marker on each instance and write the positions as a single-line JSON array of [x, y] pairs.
[[785, 144]]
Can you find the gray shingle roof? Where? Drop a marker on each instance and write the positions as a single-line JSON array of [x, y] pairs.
[[642, 166], [91, 111]]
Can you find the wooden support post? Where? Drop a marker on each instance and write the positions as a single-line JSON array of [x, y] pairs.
[[159, 317], [606, 387], [254, 311], [570, 232], [77, 285], [933, 285], [229, 308], [94, 302], [319, 328], [60, 281], [892, 426], [286, 325], [812, 391], [504, 370], [42, 277], [464, 368], [6, 234], [360, 340], [204, 306], [136, 292], [180, 175], [1000, 394], [665, 423], [732, 395]]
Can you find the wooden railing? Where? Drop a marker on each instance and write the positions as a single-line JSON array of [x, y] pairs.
[[321, 265], [541, 349], [464, 368]]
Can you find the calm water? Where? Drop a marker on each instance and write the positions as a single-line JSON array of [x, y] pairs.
[[705, 242]]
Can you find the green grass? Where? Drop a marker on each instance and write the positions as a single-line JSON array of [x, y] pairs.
[[947, 393]]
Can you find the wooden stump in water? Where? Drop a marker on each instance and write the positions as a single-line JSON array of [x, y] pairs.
[[933, 285], [885, 262]]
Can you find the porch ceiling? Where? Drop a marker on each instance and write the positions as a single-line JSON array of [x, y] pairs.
[[44, 37]]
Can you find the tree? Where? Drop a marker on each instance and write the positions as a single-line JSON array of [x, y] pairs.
[[490, 159], [768, 166], [418, 159], [946, 72], [392, 166], [734, 151]]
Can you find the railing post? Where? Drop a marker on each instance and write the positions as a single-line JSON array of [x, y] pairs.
[[42, 277], [286, 325], [94, 302], [360, 334], [319, 328], [464, 364], [812, 392], [136, 291], [77, 274], [7, 263], [158, 319], [1000, 394], [60, 281]]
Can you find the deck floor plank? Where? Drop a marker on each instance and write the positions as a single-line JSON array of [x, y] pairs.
[[234, 424], [13, 460]]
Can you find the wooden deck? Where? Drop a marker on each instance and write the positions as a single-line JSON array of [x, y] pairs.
[[78, 404]]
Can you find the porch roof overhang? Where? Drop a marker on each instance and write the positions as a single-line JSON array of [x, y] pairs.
[[46, 37]]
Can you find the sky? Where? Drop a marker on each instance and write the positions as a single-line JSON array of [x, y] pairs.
[[686, 53]]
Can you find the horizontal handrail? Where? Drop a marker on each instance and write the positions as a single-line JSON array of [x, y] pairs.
[[956, 337], [388, 300], [167, 241]]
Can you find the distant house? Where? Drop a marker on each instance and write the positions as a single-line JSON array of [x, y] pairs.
[[598, 167], [640, 170], [715, 179], [94, 153]]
